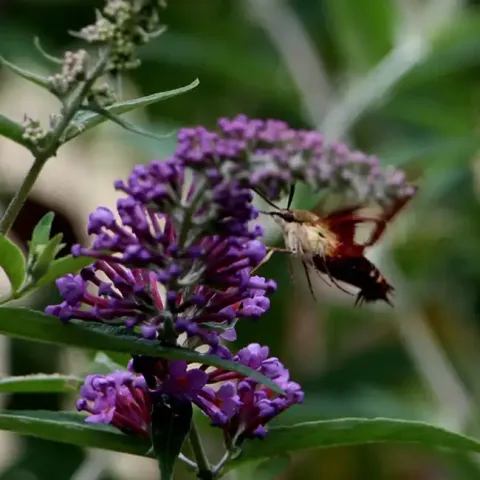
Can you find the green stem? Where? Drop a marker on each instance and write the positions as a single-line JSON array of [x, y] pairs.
[[20, 196], [204, 471], [43, 155]]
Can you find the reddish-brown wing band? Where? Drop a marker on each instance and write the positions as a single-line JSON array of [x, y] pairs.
[[348, 263]]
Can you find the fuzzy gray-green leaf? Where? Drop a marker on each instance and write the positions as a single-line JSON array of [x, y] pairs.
[[86, 120], [30, 76]]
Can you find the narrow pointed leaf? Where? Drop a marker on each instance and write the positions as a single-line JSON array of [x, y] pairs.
[[12, 130], [41, 232], [352, 431], [63, 266], [103, 364], [70, 427], [364, 30], [31, 77], [117, 358], [46, 55], [12, 262], [272, 468], [86, 120], [129, 126], [44, 257], [31, 325], [40, 383], [171, 422]]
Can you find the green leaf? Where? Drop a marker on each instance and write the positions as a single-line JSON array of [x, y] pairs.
[[70, 427], [63, 266], [129, 126], [38, 45], [454, 47], [40, 383], [31, 77], [272, 468], [213, 58], [352, 431], [41, 232], [117, 358], [363, 31], [104, 365], [31, 325], [12, 262], [12, 130], [44, 256], [438, 152], [85, 120], [171, 422]]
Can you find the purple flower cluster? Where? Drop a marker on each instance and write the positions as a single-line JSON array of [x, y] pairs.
[[184, 228], [176, 263], [133, 297], [238, 405], [163, 267], [270, 156]]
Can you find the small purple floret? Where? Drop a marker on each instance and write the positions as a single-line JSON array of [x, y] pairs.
[[116, 400]]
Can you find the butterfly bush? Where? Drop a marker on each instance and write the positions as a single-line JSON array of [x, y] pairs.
[[177, 262], [239, 405]]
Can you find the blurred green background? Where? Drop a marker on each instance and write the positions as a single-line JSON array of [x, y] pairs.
[[400, 79]]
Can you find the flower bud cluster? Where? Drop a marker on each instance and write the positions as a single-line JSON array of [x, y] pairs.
[[73, 71], [33, 131], [102, 95], [122, 26]]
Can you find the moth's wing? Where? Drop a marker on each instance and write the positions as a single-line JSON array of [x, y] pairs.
[[338, 219], [343, 223], [389, 213], [360, 225]]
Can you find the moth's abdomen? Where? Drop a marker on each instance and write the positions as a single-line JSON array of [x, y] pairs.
[[359, 272]]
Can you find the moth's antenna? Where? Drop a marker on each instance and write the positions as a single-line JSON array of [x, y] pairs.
[[264, 198], [290, 196]]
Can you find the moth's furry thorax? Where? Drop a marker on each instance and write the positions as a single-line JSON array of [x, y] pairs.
[[305, 234]]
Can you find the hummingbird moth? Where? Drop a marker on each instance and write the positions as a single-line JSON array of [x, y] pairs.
[[326, 244]]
